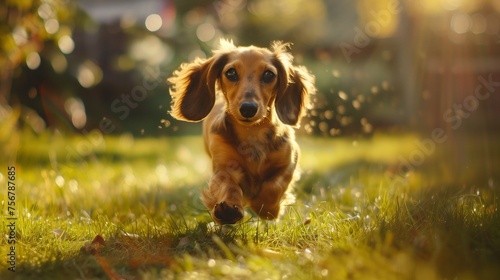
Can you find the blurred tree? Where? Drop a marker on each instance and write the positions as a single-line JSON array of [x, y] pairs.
[[55, 55], [26, 26], [297, 21]]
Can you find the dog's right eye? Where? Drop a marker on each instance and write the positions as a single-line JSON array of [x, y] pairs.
[[232, 75]]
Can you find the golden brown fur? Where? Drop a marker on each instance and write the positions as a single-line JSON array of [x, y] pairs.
[[250, 99]]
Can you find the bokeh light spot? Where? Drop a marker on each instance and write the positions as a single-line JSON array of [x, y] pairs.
[[33, 60], [75, 108], [452, 4], [85, 77], [356, 104], [479, 24], [52, 26], [329, 114], [89, 74], [20, 35], [66, 44], [73, 185], [460, 23], [45, 11], [205, 32], [153, 22], [343, 95], [59, 63], [59, 180]]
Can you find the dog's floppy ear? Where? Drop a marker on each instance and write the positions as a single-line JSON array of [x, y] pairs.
[[295, 84], [194, 86]]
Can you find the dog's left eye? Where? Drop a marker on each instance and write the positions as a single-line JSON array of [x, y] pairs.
[[268, 76], [232, 75]]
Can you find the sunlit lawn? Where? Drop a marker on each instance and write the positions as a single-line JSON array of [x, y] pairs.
[[358, 215]]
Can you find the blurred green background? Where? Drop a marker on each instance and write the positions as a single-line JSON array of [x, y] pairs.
[[77, 66]]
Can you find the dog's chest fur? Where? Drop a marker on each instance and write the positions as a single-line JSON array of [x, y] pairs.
[[261, 151], [258, 146], [263, 154]]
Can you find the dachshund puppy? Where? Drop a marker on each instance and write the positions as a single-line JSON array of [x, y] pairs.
[[250, 99]]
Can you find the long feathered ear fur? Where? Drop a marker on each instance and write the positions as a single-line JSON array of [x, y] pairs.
[[295, 85], [194, 87]]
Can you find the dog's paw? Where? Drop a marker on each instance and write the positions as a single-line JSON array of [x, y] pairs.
[[226, 214]]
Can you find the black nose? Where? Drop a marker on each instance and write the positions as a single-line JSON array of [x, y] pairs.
[[248, 109]]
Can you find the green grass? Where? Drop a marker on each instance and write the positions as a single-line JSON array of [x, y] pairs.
[[357, 216]]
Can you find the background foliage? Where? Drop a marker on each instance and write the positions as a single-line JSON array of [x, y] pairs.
[[73, 64]]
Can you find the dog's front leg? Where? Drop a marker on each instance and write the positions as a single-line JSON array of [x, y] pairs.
[[276, 190], [224, 196]]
